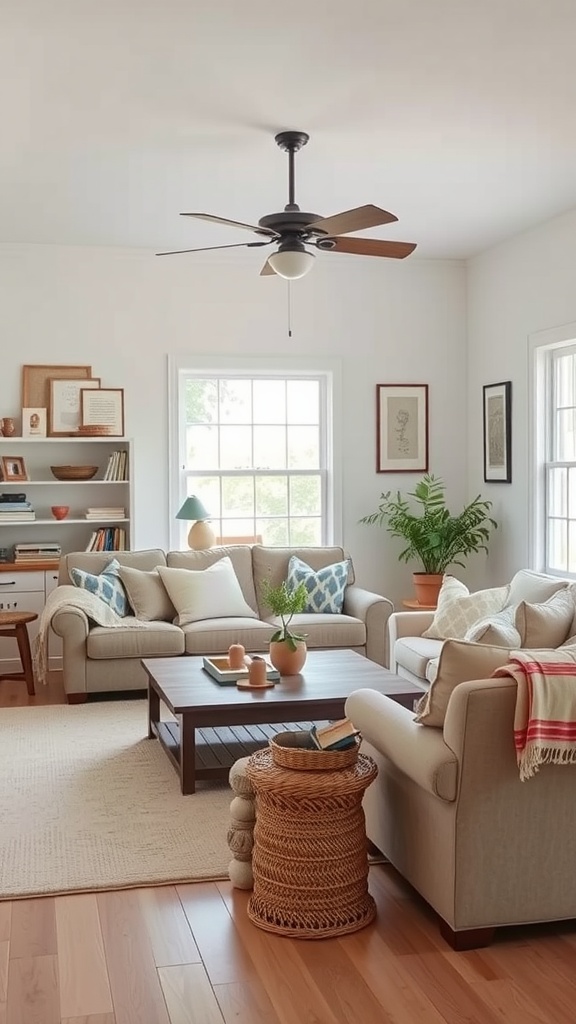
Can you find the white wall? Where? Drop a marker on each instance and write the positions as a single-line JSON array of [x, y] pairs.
[[124, 311], [525, 285]]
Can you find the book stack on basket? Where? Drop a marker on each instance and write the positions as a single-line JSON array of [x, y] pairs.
[[304, 750]]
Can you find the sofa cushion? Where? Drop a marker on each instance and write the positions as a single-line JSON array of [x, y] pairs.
[[210, 593], [459, 662], [239, 554], [328, 630], [107, 586], [214, 636], [457, 609], [498, 630], [324, 587], [272, 564], [153, 640], [414, 652], [546, 625], [147, 594], [534, 587]]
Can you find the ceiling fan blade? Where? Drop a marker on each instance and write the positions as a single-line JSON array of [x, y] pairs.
[[354, 220], [267, 270], [207, 248], [234, 223], [372, 247]]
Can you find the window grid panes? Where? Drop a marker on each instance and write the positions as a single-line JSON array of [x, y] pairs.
[[560, 497], [255, 453]]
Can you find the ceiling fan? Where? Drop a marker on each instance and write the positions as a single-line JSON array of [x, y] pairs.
[[294, 229]]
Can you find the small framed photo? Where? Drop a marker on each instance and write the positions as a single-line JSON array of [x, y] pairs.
[[401, 428], [103, 408], [64, 404], [497, 420], [34, 422], [13, 468]]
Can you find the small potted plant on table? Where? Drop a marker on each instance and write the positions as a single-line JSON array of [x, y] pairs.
[[287, 649], [435, 537]]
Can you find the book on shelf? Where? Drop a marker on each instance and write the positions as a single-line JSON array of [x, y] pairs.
[[335, 736], [17, 517], [107, 539], [117, 466], [6, 496]]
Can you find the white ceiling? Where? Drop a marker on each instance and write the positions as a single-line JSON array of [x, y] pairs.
[[456, 115]]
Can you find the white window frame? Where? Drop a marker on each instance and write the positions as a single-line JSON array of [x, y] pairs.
[[541, 345], [181, 365]]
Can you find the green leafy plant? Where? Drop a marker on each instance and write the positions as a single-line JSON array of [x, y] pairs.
[[434, 536], [285, 603]]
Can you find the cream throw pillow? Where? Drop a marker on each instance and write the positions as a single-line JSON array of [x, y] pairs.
[[548, 624], [499, 630], [212, 593], [459, 661], [147, 594], [458, 609]]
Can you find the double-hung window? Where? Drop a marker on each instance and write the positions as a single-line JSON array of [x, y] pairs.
[[257, 448], [560, 465]]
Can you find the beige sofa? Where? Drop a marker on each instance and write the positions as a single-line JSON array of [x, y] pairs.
[[448, 807], [101, 659], [450, 812]]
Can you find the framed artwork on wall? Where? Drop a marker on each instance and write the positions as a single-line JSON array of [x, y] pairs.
[[64, 404], [34, 422], [104, 408], [497, 420], [13, 468], [35, 381], [401, 428]]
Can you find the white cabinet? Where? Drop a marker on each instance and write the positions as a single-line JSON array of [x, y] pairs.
[[26, 592], [42, 489]]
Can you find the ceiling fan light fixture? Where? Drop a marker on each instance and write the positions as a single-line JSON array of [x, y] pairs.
[[291, 261]]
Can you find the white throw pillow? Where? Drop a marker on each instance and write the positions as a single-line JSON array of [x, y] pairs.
[[498, 630], [212, 593], [546, 625], [458, 609]]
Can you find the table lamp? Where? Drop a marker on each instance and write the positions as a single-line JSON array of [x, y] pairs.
[[201, 534]]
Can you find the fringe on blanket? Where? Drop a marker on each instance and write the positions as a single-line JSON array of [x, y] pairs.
[[76, 599]]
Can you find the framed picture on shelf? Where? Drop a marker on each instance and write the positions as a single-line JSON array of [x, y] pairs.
[[34, 422], [497, 420], [401, 428], [35, 387], [64, 404], [103, 408], [13, 468]]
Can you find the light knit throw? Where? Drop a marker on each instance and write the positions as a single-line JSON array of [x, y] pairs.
[[545, 714], [73, 597]]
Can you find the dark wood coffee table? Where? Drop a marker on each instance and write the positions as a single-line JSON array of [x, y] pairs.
[[215, 725]]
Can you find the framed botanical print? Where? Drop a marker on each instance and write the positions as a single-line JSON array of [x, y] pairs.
[[497, 420], [401, 428]]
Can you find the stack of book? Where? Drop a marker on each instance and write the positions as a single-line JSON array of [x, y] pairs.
[[335, 736], [109, 538], [37, 551], [117, 468], [107, 512], [15, 509]]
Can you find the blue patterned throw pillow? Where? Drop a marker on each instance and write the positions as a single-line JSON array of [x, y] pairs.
[[107, 586], [325, 587]]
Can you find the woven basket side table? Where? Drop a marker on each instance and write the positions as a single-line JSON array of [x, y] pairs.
[[310, 859]]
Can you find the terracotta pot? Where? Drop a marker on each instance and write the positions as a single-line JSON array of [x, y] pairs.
[[288, 662], [427, 586]]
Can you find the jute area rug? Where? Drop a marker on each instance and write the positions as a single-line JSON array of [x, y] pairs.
[[87, 802]]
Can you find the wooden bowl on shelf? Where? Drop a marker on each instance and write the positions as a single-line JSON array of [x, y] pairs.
[[74, 472]]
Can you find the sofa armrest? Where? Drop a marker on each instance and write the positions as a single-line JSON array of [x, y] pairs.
[[73, 626], [417, 751], [406, 624], [374, 610]]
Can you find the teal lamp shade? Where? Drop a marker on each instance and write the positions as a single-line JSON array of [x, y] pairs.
[[201, 534]]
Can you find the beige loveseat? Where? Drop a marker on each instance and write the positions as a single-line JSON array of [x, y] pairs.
[[101, 659], [448, 807]]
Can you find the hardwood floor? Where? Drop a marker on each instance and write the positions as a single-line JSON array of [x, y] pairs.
[[188, 954]]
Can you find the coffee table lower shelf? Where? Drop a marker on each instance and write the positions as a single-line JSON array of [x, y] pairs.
[[218, 748]]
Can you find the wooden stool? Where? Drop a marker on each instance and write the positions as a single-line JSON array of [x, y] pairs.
[[15, 624]]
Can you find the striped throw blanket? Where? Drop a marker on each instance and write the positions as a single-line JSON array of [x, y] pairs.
[[545, 714]]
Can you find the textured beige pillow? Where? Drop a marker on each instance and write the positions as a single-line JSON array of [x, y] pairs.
[[459, 661], [548, 624], [212, 593], [458, 609], [147, 594], [498, 630]]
